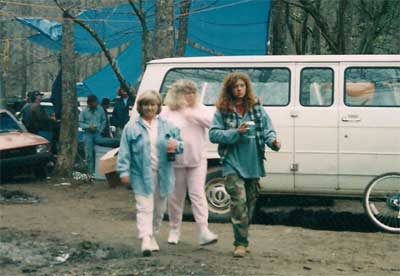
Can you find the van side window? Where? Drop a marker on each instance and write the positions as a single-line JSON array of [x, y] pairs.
[[271, 85], [372, 86], [316, 87]]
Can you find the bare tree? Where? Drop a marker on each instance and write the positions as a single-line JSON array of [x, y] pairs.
[[278, 41], [147, 35], [111, 60], [376, 18], [69, 114], [183, 27]]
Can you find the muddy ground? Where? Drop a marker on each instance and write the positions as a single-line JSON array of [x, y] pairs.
[[88, 229]]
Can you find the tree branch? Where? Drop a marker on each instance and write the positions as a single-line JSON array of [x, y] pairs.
[[140, 14], [101, 43], [204, 49]]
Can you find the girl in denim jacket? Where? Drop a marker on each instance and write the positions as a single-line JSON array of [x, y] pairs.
[[143, 163]]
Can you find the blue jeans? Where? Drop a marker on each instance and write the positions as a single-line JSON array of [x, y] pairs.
[[90, 141]]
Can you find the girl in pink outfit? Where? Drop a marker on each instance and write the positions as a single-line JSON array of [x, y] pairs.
[[186, 113]]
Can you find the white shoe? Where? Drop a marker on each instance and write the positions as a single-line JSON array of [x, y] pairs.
[[207, 237], [154, 245], [146, 246], [173, 237]]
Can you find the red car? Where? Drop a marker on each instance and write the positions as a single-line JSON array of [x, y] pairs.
[[21, 151]]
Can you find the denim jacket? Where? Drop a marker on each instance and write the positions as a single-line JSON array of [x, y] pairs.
[[134, 158]]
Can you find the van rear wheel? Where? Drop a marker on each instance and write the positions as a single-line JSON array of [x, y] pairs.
[[382, 202], [218, 199]]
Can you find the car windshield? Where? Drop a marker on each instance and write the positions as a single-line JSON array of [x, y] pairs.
[[8, 124]]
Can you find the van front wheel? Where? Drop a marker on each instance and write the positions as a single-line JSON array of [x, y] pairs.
[[218, 199], [382, 201]]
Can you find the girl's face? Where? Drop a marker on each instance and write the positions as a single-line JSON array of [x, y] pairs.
[[190, 98], [149, 110], [239, 89]]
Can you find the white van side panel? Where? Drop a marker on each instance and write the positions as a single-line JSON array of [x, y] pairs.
[[369, 139], [316, 143], [278, 164]]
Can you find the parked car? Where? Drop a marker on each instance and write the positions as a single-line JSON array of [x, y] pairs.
[[21, 151]]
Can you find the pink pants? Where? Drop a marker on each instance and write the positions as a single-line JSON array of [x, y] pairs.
[[150, 211], [192, 179]]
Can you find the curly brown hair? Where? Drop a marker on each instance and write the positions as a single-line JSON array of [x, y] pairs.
[[226, 101]]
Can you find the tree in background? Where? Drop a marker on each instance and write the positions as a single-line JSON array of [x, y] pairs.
[[69, 115], [336, 27]]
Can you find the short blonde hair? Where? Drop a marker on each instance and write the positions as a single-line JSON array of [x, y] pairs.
[[175, 97], [148, 96]]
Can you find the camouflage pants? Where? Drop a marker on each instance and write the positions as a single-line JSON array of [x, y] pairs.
[[244, 194]]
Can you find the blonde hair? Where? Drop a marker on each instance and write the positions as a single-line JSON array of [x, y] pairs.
[[226, 101], [148, 96], [175, 97]]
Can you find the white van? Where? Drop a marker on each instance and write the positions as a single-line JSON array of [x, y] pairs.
[[338, 118]]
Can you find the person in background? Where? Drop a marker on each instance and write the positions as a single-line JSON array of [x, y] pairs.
[[147, 142], [120, 115], [26, 110], [40, 122], [92, 120], [241, 128], [105, 103], [185, 111]]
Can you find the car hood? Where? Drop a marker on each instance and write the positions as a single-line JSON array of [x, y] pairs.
[[12, 140]]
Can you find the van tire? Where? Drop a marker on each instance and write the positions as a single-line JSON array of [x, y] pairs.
[[218, 200]]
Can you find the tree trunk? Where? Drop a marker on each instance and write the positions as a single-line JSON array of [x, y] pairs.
[[279, 31], [183, 26], [340, 26], [3, 64], [69, 115], [163, 40]]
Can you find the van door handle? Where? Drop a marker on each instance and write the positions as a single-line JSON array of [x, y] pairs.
[[351, 118]]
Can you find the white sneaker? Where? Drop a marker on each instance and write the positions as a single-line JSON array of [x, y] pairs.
[[207, 237], [154, 245], [146, 246], [173, 237]]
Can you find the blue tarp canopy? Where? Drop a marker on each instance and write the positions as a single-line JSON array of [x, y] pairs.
[[229, 27]]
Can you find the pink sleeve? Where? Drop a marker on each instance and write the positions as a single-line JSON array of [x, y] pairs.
[[200, 116]]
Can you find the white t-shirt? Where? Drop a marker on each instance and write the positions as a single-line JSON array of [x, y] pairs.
[[152, 130]]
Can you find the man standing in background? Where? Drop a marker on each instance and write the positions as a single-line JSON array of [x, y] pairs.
[[105, 103], [92, 120], [120, 114]]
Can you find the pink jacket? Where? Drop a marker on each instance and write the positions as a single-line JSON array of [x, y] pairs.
[[193, 124]]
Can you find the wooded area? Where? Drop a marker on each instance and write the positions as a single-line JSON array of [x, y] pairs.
[[295, 27], [335, 27]]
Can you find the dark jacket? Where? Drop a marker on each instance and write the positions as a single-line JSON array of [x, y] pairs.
[[120, 114], [40, 121]]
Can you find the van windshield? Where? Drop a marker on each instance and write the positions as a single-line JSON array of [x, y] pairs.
[[271, 85]]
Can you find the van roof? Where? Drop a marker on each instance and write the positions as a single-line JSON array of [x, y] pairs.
[[288, 58]]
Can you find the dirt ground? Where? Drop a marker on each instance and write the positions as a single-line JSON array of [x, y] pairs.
[[88, 229]]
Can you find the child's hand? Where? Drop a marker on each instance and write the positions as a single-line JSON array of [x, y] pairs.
[[172, 145]]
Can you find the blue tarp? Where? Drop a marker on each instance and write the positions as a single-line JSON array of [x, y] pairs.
[[229, 27], [104, 84]]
